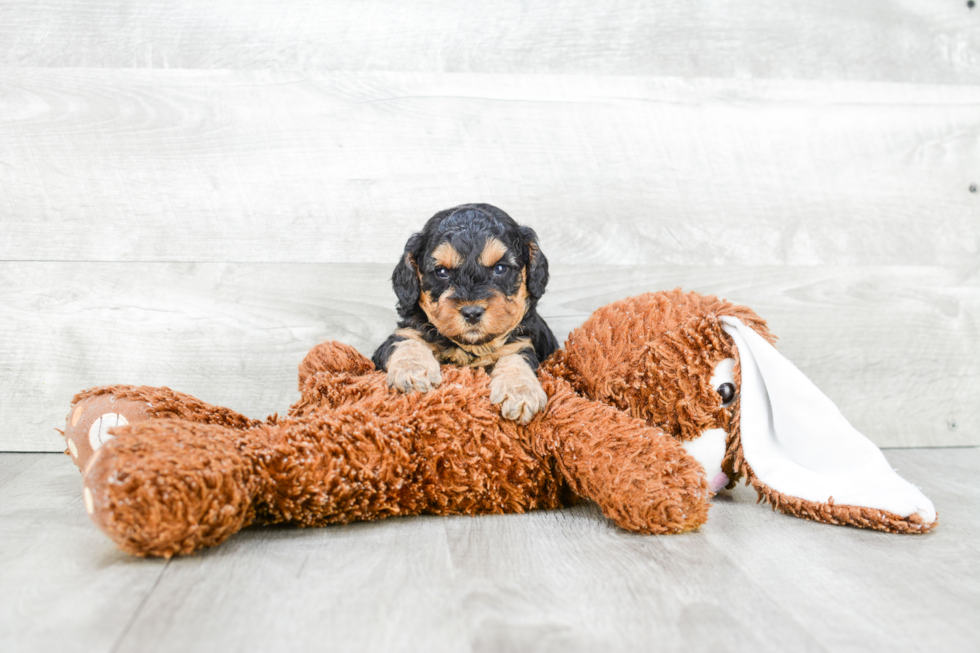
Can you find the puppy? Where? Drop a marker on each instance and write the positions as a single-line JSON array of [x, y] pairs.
[[467, 288]]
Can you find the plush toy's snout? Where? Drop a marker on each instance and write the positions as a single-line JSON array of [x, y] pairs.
[[709, 448]]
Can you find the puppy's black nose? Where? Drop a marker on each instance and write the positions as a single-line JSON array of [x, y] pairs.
[[472, 314]]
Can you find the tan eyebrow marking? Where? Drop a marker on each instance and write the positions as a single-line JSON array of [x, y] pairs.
[[493, 251], [447, 256]]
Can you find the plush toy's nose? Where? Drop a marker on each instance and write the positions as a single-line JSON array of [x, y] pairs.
[[472, 314], [709, 450]]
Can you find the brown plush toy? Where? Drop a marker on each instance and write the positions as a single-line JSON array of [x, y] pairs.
[[166, 474], [181, 475]]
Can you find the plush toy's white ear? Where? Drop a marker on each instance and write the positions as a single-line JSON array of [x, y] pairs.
[[805, 457]]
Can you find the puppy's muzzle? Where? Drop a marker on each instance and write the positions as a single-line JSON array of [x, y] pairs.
[[472, 314]]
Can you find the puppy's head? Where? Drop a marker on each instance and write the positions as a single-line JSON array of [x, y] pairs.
[[473, 271]]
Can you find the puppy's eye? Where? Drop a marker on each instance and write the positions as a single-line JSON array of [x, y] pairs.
[[499, 269], [442, 272], [727, 393]]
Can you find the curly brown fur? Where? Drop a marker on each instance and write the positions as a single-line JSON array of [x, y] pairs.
[[832, 513], [642, 480], [653, 355], [164, 403], [137, 404], [332, 357], [164, 487], [652, 486], [351, 449]]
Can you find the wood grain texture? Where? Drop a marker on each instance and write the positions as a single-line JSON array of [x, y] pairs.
[[875, 40], [567, 580], [894, 347], [117, 165], [387, 586], [830, 580], [63, 589], [193, 195], [560, 585]]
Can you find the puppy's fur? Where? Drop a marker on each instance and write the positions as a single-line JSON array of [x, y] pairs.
[[468, 286]]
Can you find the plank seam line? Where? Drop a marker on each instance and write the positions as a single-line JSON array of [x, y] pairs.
[[139, 609]]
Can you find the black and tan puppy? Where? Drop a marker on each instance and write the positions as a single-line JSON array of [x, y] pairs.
[[467, 288]]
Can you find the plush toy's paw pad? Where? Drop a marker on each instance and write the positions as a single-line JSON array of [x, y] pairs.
[[90, 423], [516, 388], [413, 368]]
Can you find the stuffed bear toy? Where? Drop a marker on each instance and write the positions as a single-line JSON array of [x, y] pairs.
[[655, 403]]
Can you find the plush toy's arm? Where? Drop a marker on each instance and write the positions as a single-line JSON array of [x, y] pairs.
[[166, 487], [641, 479], [333, 357], [332, 374]]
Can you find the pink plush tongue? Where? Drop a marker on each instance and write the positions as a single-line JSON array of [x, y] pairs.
[[719, 481]]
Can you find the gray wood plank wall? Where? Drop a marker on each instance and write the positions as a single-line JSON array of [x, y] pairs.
[[193, 194]]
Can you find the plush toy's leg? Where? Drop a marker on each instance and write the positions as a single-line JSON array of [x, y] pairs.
[[94, 412], [337, 466], [641, 478], [166, 487]]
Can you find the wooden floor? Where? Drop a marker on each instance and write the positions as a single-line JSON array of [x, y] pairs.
[[750, 580]]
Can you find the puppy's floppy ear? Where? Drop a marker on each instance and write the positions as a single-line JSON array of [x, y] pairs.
[[405, 278], [537, 263]]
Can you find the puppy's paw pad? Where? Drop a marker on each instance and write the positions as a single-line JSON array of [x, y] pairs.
[[520, 399]]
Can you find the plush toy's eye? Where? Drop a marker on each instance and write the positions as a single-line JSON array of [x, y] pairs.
[[723, 381], [727, 393], [441, 272], [499, 269]]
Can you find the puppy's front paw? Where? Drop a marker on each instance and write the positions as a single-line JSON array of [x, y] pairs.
[[516, 388], [413, 368]]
